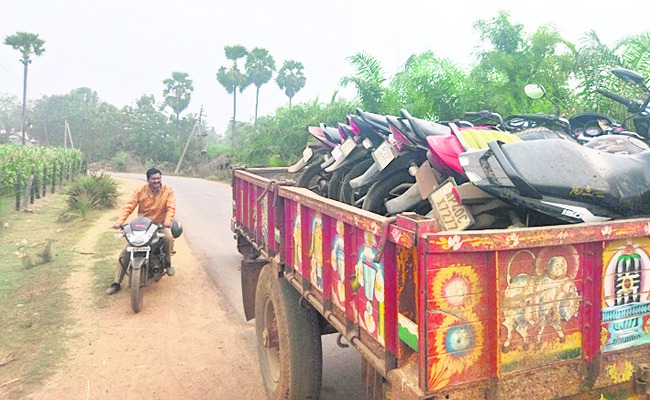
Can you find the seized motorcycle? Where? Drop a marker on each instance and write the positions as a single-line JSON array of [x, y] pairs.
[[146, 263]]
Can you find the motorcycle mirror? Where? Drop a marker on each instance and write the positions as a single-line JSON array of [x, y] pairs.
[[535, 91], [628, 76]]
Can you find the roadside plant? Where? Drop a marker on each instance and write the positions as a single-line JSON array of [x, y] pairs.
[[91, 192]]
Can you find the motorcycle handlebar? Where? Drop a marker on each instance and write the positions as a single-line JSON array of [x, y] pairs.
[[619, 99], [485, 114], [536, 117]]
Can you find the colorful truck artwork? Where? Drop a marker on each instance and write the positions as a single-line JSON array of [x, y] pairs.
[[529, 313]]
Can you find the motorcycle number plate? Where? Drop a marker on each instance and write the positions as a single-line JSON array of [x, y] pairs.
[[450, 215], [348, 146], [337, 152], [383, 155], [134, 249], [307, 153]]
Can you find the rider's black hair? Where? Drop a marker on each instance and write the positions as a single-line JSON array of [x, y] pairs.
[[152, 171]]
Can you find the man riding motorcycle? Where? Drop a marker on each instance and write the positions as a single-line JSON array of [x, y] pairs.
[[157, 202]]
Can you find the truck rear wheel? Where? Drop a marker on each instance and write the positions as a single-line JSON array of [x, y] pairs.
[[288, 340]]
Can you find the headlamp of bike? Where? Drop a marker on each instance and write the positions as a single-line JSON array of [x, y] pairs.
[[140, 238]]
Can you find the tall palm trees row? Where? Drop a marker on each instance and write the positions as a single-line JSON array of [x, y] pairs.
[[258, 70]]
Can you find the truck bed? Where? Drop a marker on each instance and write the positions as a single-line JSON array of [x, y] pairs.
[[534, 313]]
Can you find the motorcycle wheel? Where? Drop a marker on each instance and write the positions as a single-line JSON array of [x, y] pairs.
[[135, 275], [288, 339], [315, 179], [347, 194], [335, 182], [380, 191]]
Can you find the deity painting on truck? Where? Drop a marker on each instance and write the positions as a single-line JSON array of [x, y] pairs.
[[626, 294], [297, 241], [369, 275], [540, 308], [316, 252], [338, 264]]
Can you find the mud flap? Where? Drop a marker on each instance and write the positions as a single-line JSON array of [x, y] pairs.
[[250, 271]]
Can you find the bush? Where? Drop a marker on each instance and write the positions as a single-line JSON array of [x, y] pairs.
[[92, 191]]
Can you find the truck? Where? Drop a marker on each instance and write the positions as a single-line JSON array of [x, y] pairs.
[[528, 313]]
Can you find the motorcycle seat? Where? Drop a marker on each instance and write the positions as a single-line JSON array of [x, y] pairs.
[[424, 128], [375, 120], [565, 170]]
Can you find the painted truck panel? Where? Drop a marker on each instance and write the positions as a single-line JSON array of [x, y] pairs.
[[527, 313]]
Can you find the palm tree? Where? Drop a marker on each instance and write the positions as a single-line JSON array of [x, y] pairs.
[[28, 44], [593, 66], [178, 92], [369, 80], [259, 68], [232, 79], [635, 51], [291, 78]]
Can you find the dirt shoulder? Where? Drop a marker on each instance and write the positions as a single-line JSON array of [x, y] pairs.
[[182, 344]]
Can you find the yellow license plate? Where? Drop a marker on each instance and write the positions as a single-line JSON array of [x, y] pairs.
[[450, 215]]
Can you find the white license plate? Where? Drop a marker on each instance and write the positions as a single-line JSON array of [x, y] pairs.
[[307, 153], [383, 155], [348, 146], [336, 152], [450, 215], [134, 249]]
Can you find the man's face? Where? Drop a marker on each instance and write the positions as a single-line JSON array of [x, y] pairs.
[[155, 182]]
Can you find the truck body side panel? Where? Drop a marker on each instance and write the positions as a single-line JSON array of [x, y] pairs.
[[523, 313]]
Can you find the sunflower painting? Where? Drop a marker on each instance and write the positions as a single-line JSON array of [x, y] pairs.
[[456, 330]]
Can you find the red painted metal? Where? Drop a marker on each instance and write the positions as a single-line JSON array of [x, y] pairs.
[[506, 306]]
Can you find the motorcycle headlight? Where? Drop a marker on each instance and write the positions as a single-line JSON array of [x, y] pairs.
[[367, 143], [138, 238]]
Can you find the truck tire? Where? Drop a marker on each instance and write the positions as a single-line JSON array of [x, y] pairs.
[[380, 191], [346, 193], [288, 340], [135, 276], [315, 179]]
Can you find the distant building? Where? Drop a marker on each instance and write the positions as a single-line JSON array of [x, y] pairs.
[[17, 138]]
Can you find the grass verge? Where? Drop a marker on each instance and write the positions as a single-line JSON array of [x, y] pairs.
[[35, 320]]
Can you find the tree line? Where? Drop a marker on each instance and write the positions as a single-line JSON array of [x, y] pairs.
[[426, 85]]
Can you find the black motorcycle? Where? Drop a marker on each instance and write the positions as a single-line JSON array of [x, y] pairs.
[[146, 253]]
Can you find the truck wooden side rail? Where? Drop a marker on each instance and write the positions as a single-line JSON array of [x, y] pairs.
[[532, 313]]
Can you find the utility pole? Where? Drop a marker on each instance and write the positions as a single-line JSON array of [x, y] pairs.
[[67, 134], [196, 125]]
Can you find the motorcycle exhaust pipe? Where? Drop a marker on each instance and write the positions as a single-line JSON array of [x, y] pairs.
[[327, 162], [366, 177], [354, 155], [297, 166], [407, 200]]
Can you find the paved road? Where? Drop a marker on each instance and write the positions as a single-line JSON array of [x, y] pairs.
[[205, 208]]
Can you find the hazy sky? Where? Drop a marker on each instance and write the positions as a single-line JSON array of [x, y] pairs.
[[123, 49]]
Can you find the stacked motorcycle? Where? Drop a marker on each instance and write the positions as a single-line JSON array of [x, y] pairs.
[[485, 171]]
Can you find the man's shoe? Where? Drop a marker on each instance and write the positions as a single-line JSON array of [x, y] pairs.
[[170, 270], [114, 288]]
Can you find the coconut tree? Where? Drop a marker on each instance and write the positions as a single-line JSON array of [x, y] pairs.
[[259, 68], [291, 78], [28, 44], [232, 79], [368, 79], [178, 92], [635, 52]]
